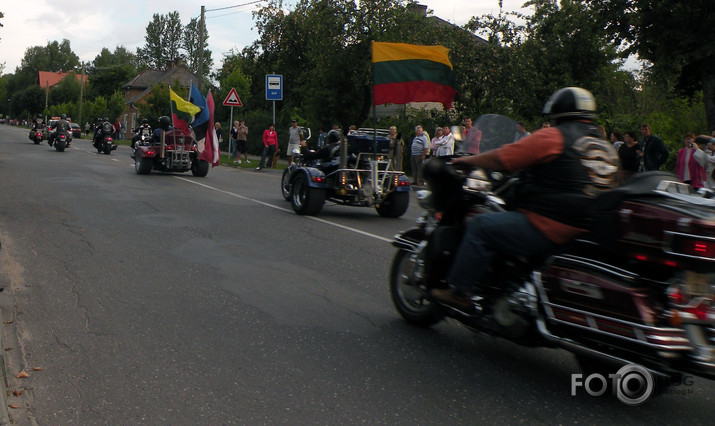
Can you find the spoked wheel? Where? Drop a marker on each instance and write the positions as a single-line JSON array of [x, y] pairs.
[[285, 184], [408, 297]]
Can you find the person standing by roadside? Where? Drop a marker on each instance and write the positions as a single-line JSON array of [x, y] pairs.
[[521, 131], [686, 166], [616, 139], [445, 144], [629, 154], [655, 153], [270, 143], [242, 141], [293, 140], [233, 141], [706, 158], [418, 150], [433, 146], [397, 148]]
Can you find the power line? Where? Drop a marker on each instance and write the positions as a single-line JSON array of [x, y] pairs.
[[231, 7]]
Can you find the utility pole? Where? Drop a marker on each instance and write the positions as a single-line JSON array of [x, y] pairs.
[[81, 94], [202, 24]]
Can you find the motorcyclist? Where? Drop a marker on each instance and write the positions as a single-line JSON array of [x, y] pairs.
[[165, 125], [326, 152], [38, 123], [103, 127], [61, 126], [564, 168], [144, 127]]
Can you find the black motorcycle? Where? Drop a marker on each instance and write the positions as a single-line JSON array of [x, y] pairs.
[[636, 291], [103, 142]]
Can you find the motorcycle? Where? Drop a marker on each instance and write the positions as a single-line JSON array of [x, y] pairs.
[[637, 289], [103, 142], [60, 141], [36, 136]]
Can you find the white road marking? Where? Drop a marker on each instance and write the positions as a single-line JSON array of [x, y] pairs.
[[263, 203]]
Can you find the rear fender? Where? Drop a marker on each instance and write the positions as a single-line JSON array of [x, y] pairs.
[[147, 151], [403, 184], [315, 177]]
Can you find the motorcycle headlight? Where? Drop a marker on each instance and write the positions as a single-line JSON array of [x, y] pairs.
[[478, 181]]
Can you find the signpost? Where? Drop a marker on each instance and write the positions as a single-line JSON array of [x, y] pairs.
[[232, 100], [274, 91]]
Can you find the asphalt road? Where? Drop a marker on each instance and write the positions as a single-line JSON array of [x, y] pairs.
[[170, 299]]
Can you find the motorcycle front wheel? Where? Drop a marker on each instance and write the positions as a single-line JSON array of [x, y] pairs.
[[408, 296]]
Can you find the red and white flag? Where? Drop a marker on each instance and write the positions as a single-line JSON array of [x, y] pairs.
[[211, 152]]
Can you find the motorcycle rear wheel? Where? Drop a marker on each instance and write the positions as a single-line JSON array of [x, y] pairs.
[[409, 300]]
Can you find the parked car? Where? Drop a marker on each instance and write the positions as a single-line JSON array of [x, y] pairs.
[[76, 130]]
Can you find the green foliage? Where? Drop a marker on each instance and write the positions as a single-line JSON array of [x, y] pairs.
[[674, 35], [163, 40], [67, 90], [110, 70]]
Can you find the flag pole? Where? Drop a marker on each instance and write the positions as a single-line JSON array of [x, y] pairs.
[[171, 107]]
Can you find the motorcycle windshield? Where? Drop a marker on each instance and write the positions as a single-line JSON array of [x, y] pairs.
[[490, 131]]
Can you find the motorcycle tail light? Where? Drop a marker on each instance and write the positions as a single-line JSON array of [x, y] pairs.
[[693, 246], [318, 179], [109, 139]]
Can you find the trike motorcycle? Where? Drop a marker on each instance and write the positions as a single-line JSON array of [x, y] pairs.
[[175, 151], [357, 172]]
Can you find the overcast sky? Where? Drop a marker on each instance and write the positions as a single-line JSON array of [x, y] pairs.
[[90, 25]]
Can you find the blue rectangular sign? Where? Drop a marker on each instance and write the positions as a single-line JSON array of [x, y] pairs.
[[274, 87]]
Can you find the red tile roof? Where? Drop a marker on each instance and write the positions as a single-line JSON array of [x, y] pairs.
[[48, 78]]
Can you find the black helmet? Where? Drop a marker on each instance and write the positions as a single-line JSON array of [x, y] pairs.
[[145, 121], [39, 116], [571, 103], [164, 122], [99, 119], [106, 119], [63, 116], [333, 136]]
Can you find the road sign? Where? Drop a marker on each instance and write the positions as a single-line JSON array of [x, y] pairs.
[[274, 87], [232, 99]]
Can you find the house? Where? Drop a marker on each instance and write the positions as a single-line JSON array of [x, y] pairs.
[[48, 79], [140, 86]]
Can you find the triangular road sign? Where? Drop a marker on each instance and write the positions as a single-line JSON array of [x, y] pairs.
[[232, 99]]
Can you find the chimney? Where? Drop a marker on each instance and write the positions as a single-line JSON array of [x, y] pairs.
[[418, 9]]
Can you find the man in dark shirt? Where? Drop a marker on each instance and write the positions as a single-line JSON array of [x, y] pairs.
[[655, 153]]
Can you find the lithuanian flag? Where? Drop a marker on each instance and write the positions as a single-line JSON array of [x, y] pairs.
[[182, 112], [404, 73]]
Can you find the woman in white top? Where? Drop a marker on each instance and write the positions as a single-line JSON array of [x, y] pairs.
[[433, 145], [445, 145]]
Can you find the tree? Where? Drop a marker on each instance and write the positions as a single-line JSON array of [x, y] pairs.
[[111, 70], [191, 46], [164, 36], [54, 57], [67, 90], [673, 35]]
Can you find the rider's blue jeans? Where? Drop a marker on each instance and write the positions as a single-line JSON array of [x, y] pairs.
[[489, 234]]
